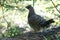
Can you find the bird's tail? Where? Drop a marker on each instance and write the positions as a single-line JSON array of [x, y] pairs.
[[47, 23], [50, 21]]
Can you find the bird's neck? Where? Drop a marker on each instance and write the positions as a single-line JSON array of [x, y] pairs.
[[31, 12]]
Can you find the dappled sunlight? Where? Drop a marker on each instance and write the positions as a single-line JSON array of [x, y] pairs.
[[14, 15]]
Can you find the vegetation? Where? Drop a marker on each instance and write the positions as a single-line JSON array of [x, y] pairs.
[[13, 15]]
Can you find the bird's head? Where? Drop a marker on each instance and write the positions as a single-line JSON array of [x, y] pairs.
[[29, 6]]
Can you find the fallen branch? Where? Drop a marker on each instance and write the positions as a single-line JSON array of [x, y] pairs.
[[36, 36]]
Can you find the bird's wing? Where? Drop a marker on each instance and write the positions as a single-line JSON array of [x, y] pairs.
[[39, 19], [36, 19]]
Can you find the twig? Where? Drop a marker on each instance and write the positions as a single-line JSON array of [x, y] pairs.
[[55, 6]]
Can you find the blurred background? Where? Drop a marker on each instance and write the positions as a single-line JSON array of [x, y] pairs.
[[13, 15]]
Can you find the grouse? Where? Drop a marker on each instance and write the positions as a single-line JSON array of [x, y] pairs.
[[37, 22]]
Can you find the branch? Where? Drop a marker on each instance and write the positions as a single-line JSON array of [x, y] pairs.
[[36, 36], [55, 6]]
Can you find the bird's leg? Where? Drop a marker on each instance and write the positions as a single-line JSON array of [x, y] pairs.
[[44, 29]]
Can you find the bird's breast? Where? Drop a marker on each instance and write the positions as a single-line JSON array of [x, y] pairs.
[[33, 22]]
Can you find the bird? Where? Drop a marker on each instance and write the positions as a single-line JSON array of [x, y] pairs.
[[37, 22]]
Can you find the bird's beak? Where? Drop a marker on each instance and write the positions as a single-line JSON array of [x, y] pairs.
[[26, 7]]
